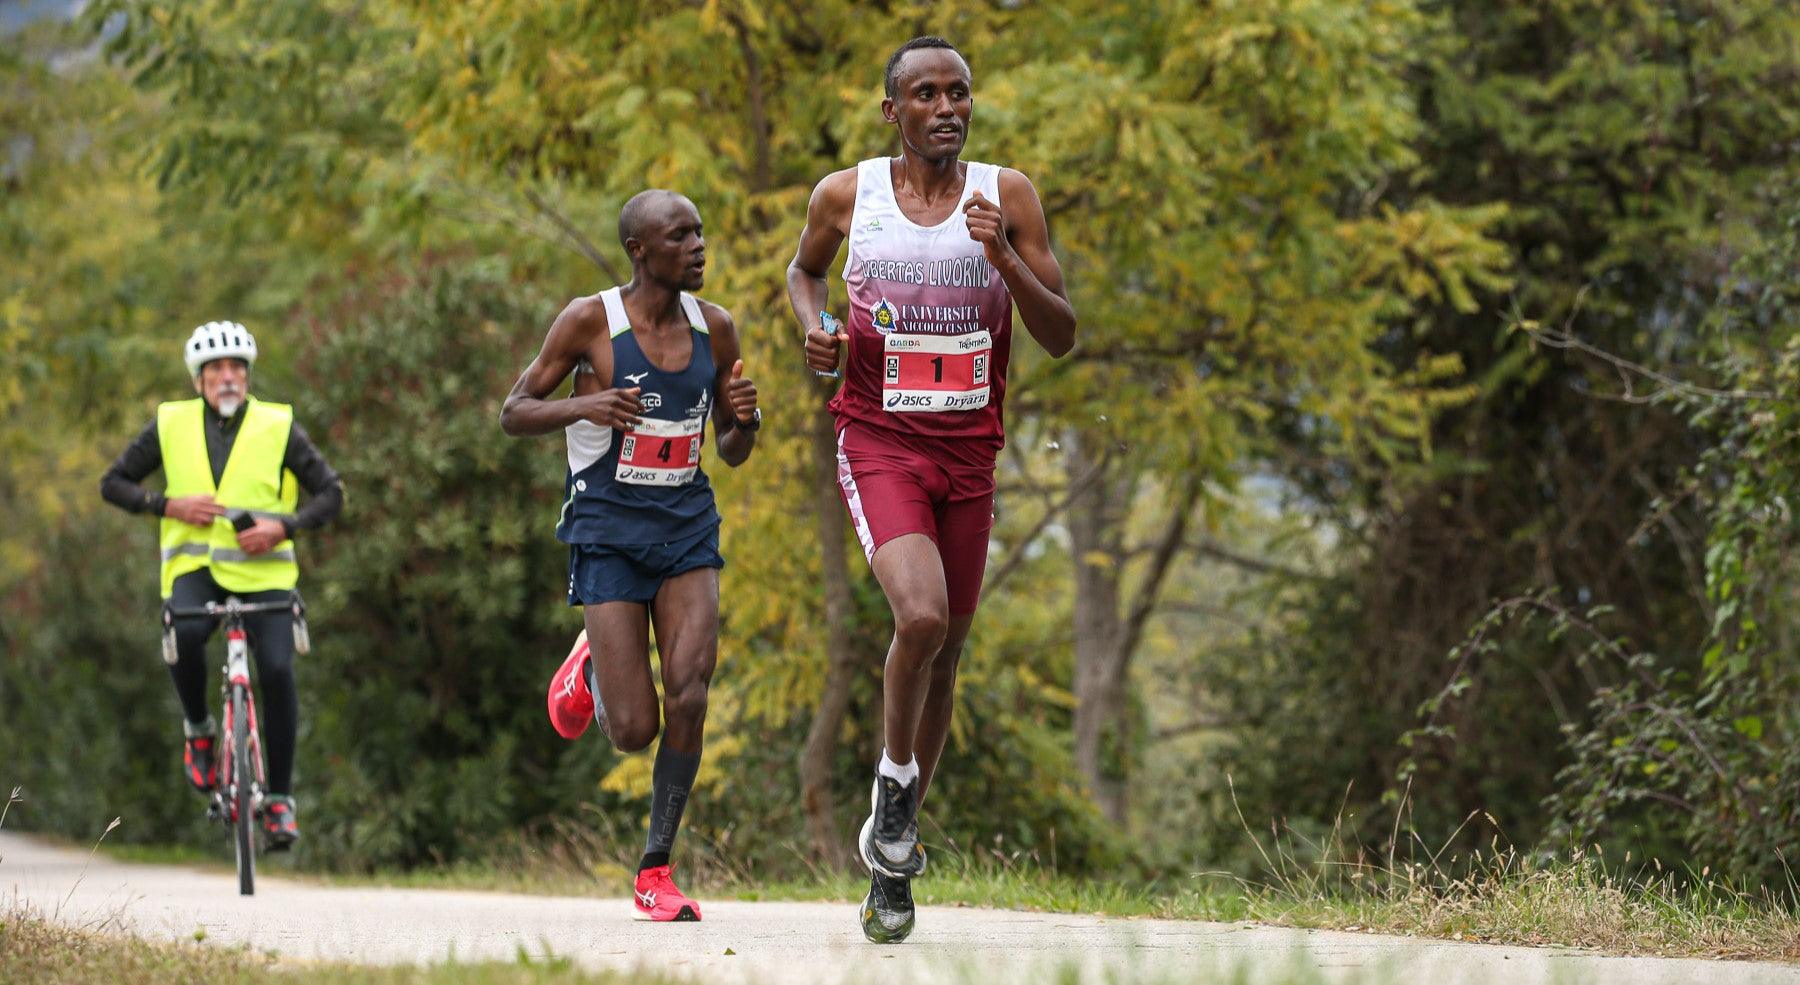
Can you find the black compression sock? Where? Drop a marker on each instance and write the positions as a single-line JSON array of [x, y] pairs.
[[653, 859], [672, 778]]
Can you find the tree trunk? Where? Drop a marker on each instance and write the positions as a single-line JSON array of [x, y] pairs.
[[1107, 632], [1096, 513], [830, 846]]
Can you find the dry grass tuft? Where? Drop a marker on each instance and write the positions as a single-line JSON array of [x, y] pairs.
[[33, 950], [1562, 903], [1501, 895]]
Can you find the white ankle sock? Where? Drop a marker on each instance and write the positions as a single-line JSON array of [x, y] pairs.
[[904, 773]]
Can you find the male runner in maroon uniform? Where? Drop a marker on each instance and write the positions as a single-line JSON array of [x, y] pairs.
[[941, 250]]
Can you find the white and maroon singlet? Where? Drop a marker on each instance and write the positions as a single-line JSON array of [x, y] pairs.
[[930, 320]]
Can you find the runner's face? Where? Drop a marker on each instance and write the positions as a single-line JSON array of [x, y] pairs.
[[224, 383], [931, 103], [673, 250]]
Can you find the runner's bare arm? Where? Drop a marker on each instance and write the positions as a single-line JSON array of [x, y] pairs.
[[528, 410], [734, 396], [1017, 243], [827, 225]]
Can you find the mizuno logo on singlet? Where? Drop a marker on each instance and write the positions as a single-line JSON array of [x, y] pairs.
[[637, 378]]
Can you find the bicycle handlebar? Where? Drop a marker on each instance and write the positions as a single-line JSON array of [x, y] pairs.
[[232, 606], [232, 611]]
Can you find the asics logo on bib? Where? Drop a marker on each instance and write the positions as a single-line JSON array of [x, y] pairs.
[[902, 401]]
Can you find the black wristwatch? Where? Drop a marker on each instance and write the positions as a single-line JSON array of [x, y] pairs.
[[753, 424]]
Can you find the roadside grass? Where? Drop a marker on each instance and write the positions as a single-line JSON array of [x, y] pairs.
[[1502, 895], [1507, 897], [35, 951]]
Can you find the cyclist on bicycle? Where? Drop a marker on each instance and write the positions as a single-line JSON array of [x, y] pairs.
[[227, 457]]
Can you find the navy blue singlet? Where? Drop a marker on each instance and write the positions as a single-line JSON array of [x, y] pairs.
[[644, 486]]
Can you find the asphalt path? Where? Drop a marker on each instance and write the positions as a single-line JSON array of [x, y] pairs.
[[771, 942]]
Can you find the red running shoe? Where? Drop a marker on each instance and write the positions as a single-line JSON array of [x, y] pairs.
[[571, 704], [657, 898]]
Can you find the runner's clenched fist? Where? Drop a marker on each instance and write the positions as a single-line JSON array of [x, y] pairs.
[[742, 394]]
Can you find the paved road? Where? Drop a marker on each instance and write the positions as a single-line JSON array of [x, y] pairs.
[[773, 943]]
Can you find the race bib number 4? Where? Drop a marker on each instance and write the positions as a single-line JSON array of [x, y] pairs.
[[661, 453], [935, 373]]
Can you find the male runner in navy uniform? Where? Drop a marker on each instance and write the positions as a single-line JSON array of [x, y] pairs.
[[650, 362]]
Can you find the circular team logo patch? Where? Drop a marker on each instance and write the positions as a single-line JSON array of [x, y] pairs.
[[884, 316]]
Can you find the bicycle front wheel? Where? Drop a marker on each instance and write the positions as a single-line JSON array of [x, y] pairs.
[[242, 791]]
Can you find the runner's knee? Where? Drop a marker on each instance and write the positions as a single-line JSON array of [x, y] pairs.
[[686, 703], [921, 629], [631, 732]]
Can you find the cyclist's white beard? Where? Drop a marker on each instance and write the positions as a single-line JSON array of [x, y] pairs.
[[228, 405]]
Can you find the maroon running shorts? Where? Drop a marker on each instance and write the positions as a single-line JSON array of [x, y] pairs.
[[894, 484]]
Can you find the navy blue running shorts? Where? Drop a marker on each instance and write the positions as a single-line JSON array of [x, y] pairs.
[[635, 572]]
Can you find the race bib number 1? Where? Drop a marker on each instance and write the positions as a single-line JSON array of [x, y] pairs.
[[661, 453], [935, 373]]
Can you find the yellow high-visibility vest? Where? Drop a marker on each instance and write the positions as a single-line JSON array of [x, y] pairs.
[[254, 480]]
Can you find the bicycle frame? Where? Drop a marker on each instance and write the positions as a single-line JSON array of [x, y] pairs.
[[237, 674]]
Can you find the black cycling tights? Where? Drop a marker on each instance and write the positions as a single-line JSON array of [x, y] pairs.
[[272, 644]]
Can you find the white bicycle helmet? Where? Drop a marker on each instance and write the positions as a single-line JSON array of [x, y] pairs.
[[218, 340]]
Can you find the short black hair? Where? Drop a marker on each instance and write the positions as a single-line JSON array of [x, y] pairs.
[[926, 41], [640, 210]]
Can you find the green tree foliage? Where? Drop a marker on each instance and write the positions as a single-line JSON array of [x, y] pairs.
[[436, 591], [1704, 751], [1631, 144]]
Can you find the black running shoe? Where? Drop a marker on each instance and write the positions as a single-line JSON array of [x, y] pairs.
[[889, 843], [887, 913], [278, 822], [199, 762]]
